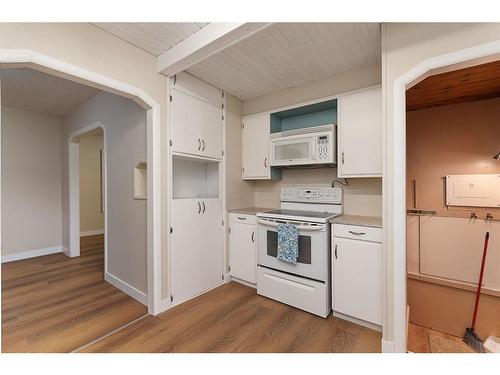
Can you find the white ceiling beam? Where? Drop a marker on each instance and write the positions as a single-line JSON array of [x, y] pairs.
[[209, 40]]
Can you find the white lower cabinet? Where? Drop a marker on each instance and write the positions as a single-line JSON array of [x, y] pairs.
[[197, 244], [242, 247], [357, 272]]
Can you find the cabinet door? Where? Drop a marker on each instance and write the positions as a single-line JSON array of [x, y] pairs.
[[360, 134], [242, 252], [213, 243], [196, 247], [212, 134], [196, 126], [255, 147], [357, 279]]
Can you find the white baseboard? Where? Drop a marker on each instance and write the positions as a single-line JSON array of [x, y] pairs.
[[126, 288], [165, 304], [91, 232], [66, 251], [31, 254], [357, 321], [246, 283], [387, 346]]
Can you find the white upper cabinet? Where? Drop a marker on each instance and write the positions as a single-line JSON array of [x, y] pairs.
[[196, 118], [255, 145], [360, 134]]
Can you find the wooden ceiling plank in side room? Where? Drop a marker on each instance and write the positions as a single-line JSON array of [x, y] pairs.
[[474, 83]]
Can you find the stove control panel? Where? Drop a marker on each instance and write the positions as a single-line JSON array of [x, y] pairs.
[[312, 194]]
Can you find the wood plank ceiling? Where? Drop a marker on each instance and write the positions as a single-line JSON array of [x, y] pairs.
[[152, 37], [463, 85], [282, 56], [286, 55]]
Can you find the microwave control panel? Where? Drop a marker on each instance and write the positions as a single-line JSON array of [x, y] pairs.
[[322, 147]]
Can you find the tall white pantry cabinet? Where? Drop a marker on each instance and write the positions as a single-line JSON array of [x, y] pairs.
[[196, 121]]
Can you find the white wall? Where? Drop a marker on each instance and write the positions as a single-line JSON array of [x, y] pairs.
[[89, 47], [404, 46], [239, 193], [125, 137], [91, 214], [31, 181], [362, 196]]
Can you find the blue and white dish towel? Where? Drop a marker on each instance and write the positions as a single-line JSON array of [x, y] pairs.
[[288, 243]]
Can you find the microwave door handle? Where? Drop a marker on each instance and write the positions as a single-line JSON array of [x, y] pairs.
[[305, 228]]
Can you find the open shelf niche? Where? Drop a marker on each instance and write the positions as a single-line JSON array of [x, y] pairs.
[[322, 113], [194, 178]]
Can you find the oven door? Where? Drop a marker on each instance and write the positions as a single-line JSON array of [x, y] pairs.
[[313, 248]]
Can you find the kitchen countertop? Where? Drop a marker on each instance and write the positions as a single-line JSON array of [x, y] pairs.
[[249, 210], [366, 221]]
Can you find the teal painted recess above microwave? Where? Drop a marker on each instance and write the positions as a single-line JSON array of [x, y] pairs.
[[307, 116]]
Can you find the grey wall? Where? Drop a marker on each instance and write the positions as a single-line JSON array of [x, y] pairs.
[[31, 181], [125, 140]]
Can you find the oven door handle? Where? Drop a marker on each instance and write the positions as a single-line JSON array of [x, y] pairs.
[[305, 228]]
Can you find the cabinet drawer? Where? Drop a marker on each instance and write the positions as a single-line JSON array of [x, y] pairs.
[[357, 232], [305, 294], [242, 218]]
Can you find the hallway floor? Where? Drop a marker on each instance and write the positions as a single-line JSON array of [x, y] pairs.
[[54, 303]]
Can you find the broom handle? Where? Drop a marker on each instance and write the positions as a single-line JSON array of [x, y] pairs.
[[478, 293]]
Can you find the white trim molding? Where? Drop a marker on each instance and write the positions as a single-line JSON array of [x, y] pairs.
[[212, 38], [48, 64], [387, 346], [447, 62], [91, 232], [126, 288], [31, 254]]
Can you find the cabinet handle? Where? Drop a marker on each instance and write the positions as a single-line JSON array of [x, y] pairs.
[[343, 157], [265, 162], [199, 207], [203, 206], [357, 233], [335, 251], [253, 234], [199, 144], [241, 218], [203, 147]]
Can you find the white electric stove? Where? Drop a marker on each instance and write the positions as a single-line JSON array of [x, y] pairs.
[[305, 285]]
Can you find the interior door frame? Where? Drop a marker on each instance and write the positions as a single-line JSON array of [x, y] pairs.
[[397, 229], [35, 60], [74, 190]]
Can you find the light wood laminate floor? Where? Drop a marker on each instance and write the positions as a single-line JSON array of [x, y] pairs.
[[55, 303], [426, 340], [59, 304], [233, 318]]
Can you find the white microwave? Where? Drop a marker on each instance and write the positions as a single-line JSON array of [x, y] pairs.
[[315, 146]]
